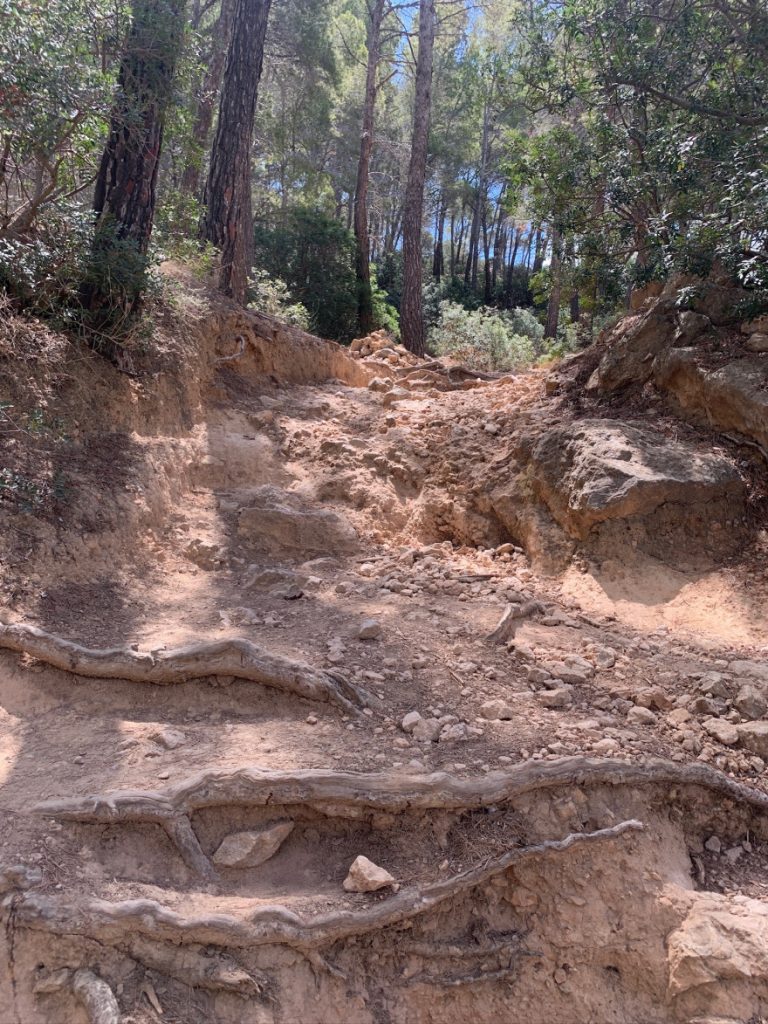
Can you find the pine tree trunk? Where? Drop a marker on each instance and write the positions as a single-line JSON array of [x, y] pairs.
[[412, 311], [438, 260], [362, 242], [555, 269], [207, 96], [228, 218], [126, 185]]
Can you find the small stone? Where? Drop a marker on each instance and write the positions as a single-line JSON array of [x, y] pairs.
[[559, 698], [641, 716], [724, 732], [365, 876], [734, 854], [410, 721], [427, 730], [168, 738], [751, 702], [754, 736], [249, 849], [311, 720], [497, 711], [369, 629], [713, 844], [678, 716]]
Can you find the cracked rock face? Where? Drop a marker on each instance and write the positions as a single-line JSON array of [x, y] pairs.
[[595, 470], [249, 849]]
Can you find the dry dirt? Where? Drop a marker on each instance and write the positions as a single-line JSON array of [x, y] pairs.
[[161, 538]]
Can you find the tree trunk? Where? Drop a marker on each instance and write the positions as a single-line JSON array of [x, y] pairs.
[[228, 218], [362, 242], [553, 306], [412, 312], [125, 193], [207, 96], [438, 262]]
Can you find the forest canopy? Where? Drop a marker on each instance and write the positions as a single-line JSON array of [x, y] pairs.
[[498, 170]]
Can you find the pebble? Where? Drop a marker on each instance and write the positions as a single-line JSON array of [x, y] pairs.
[[713, 844], [369, 629]]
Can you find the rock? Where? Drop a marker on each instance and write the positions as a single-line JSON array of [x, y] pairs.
[[756, 326], [703, 706], [724, 732], [204, 555], [713, 684], [641, 716], [605, 657], [717, 945], [273, 579], [278, 521], [410, 721], [732, 396], [459, 732], [690, 326], [754, 737], [591, 471], [18, 876], [427, 730], [559, 698], [755, 669], [678, 716], [751, 702], [757, 343], [633, 344], [249, 849], [395, 394], [365, 876], [168, 738], [497, 711], [713, 844], [369, 629]]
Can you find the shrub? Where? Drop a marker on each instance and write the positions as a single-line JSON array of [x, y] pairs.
[[484, 339], [271, 295]]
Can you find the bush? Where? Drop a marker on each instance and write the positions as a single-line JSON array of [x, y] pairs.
[[270, 295], [484, 339]]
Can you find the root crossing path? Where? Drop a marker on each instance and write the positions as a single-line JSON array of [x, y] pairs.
[[314, 624]]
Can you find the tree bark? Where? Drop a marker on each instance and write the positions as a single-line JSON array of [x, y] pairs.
[[126, 185], [553, 306], [362, 241], [228, 218], [207, 96], [412, 311], [438, 260]]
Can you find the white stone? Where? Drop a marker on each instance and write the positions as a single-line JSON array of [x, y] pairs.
[[365, 876], [249, 849]]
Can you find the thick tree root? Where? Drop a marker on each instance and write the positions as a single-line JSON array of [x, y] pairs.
[[237, 657], [95, 995], [114, 923], [514, 616], [345, 794], [216, 973]]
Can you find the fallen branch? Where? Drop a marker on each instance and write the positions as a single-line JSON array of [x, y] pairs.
[[237, 657], [114, 923]]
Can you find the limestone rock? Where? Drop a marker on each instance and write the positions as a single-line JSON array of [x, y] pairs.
[[427, 730], [633, 344], [719, 943], [277, 521], [365, 876], [410, 721], [369, 629], [732, 397], [168, 738], [757, 343], [641, 716], [497, 711], [724, 732], [751, 701], [249, 849], [558, 698], [754, 736], [591, 471]]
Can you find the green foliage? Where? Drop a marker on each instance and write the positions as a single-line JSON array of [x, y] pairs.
[[270, 295], [314, 255], [483, 338]]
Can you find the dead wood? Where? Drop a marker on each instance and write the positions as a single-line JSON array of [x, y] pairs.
[[237, 657], [513, 617], [112, 923]]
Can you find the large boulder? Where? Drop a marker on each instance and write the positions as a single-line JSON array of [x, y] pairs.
[[278, 521], [632, 346], [731, 397], [595, 470]]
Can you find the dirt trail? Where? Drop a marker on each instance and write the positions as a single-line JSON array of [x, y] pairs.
[[329, 527]]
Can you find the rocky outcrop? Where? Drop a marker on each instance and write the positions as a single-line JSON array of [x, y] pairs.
[[277, 521], [595, 470], [633, 345], [731, 397]]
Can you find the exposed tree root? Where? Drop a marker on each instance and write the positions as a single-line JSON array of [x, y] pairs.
[[113, 923], [217, 973], [237, 657], [93, 993]]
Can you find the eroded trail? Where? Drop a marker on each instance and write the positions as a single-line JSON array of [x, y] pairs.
[[289, 631]]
